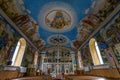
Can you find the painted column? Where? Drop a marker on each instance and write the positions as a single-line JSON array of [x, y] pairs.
[[35, 59], [42, 62], [60, 68], [69, 68], [80, 60], [42, 65], [73, 58]]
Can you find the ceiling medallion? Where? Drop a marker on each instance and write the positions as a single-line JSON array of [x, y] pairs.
[[55, 39], [58, 19], [57, 16]]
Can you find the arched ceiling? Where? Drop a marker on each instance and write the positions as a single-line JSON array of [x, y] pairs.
[[44, 12], [56, 21]]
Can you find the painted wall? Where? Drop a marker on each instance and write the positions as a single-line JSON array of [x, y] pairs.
[[28, 57], [108, 39], [90, 23], [23, 21], [86, 56], [8, 41], [109, 36]]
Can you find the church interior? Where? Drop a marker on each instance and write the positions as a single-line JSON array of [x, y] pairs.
[[59, 39]]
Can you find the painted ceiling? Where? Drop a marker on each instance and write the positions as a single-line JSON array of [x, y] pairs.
[[58, 18], [54, 21]]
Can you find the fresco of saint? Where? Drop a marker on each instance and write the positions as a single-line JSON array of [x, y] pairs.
[[59, 20]]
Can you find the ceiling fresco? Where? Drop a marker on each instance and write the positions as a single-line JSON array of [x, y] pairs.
[[48, 22], [58, 17], [55, 39]]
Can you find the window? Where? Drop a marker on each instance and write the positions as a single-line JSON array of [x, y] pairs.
[[15, 53], [95, 52], [19, 52], [98, 52]]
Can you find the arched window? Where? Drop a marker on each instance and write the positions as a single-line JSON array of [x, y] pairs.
[[19, 52], [95, 52]]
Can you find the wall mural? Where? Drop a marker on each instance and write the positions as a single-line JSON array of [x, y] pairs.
[[113, 36], [90, 23], [24, 22], [8, 36], [8, 41], [108, 39], [28, 57], [86, 56]]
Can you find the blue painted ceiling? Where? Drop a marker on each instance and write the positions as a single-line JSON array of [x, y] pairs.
[[79, 7]]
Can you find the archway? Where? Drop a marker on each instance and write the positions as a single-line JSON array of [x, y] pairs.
[[95, 52], [19, 52]]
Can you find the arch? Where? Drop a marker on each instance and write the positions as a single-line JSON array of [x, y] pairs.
[[19, 52], [95, 52]]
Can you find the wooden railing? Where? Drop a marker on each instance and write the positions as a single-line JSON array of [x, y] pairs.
[[29, 78], [7, 74], [109, 73], [10, 72], [35, 78]]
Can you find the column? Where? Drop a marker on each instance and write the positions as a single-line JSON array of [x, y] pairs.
[[57, 68], [80, 60], [35, 59], [60, 68], [69, 68]]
